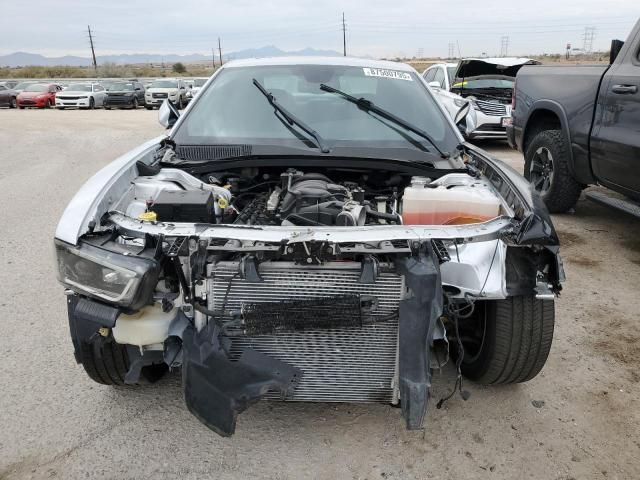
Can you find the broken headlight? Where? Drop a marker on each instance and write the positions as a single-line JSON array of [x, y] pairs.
[[117, 278]]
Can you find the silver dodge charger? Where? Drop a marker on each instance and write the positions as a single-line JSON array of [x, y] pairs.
[[309, 229]]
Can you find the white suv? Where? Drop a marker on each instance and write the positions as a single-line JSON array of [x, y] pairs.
[[166, 88]]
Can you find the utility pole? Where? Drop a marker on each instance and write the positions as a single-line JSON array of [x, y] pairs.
[[93, 52], [344, 36], [220, 51], [213, 58], [459, 54], [504, 46]]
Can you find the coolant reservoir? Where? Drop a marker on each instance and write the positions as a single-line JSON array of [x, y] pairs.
[[150, 325], [450, 201]]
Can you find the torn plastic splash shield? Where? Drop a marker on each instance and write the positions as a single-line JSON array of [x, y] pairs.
[[418, 317], [216, 389]]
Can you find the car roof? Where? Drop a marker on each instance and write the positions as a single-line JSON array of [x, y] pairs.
[[332, 61], [443, 63]]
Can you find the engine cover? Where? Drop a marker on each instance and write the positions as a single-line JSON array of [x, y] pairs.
[[313, 200]]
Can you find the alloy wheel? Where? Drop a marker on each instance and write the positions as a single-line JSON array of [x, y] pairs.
[[541, 170]]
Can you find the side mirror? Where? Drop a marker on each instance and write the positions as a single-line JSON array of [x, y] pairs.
[[434, 84], [616, 46], [138, 89], [168, 114]]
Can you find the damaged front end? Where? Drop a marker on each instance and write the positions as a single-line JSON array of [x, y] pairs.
[[280, 299]]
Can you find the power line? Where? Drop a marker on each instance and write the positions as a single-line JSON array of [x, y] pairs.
[[93, 52], [344, 36]]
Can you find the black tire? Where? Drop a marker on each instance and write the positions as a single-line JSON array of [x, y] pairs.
[[148, 107], [180, 105], [60, 108], [13, 103], [562, 190], [135, 103], [21, 107], [516, 335], [92, 104], [107, 108], [48, 104], [107, 362]]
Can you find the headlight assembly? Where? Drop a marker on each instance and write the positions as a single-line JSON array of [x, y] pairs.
[[114, 277]]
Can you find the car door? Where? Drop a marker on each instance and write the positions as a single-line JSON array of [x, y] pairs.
[[4, 98], [615, 139], [139, 89], [99, 94], [53, 89]]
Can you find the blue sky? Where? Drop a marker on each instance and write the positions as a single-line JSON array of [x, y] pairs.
[[375, 27]]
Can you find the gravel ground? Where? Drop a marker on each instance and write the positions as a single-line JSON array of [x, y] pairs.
[[579, 419]]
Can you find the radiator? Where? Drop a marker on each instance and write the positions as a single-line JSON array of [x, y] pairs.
[[339, 364]]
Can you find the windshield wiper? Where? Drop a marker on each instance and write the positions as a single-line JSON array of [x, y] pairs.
[[291, 118], [369, 106]]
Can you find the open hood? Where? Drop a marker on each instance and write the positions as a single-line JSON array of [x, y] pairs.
[[507, 66]]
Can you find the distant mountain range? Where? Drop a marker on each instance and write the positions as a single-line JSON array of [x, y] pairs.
[[22, 59]]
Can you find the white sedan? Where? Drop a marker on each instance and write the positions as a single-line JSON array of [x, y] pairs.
[[485, 82], [81, 95]]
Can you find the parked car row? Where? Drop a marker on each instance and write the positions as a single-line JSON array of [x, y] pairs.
[[107, 94]]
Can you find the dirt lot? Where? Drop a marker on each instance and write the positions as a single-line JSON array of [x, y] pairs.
[[579, 419]]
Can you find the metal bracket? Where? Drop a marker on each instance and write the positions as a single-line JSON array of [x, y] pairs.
[[248, 269], [369, 270]]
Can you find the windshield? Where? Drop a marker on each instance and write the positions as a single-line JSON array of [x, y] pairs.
[[121, 87], [198, 82], [164, 84], [479, 82], [22, 85], [232, 109], [451, 71], [79, 87], [36, 88]]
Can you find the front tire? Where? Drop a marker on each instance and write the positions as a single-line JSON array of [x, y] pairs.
[[13, 103], [507, 341], [107, 362], [547, 169], [92, 104], [135, 104]]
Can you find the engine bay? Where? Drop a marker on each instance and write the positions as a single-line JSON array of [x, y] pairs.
[[317, 197]]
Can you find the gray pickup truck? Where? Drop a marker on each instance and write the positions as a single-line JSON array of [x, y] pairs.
[[579, 125]]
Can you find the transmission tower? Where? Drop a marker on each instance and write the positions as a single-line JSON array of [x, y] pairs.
[[588, 36], [504, 45], [452, 47]]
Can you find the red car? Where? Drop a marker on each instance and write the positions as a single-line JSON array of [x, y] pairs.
[[39, 95]]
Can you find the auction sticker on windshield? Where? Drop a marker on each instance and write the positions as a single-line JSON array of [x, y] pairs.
[[382, 72]]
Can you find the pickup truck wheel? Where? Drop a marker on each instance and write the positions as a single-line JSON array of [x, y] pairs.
[[107, 362], [547, 169], [507, 341]]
